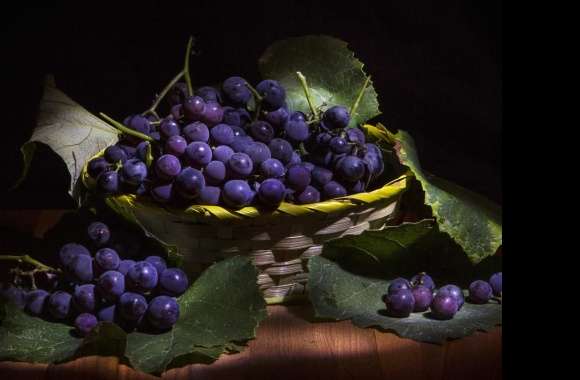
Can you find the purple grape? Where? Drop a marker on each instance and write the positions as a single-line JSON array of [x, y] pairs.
[[175, 145], [321, 176], [423, 298], [235, 90], [355, 135], [398, 284], [111, 285], [193, 108], [84, 298], [281, 150], [97, 166], [297, 116], [350, 168], [400, 303], [258, 152], [308, 165], [198, 154], [277, 118], [298, 177], [108, 182], [173, 282], [167, 167], [163, 312], [189, 183], [238, 131], [297, 131], [196, 131], [240, 143], [142, 277], [162, 193], [132, 306], [495, 282], [107, 314], [59, 304], [208, 94], [215, 173], [336, 117], [115, 153], [14, 295], [308, 195], [69, 251], [141, 150], [273, 94], [236, 117], [138, 123], [36, 301], [155, 136], [444, 306], [423, 279], [158, 262], [177, 111], [240, 165], [453, 291], [222, 153], [222, 134], [129, 150], [480, 292], [98, 233], [271, 192], [125, 265], [107, 259], [168, 128], [374, 158], [237, 193], [333, 190], [81, 269], [262, 131], [272, 168], [321, 158], [356, 187], [84, 323], [339, 145], [213, 114], [177, 94], [209, 195], [133, 172]]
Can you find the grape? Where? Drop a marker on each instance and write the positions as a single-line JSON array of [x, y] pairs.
[[36, 301], [295, 160], [355, 135], [177, 111], [97, 166], [375, 162], [132, 306], [238, 131], [222, 134], [290, 195], [125, 265], [81, 268], [138, 123], [59, 304], [198, 154], [297, 131], [277, 118], [333, 190], [215, 173], [240, 165], [111, 284], [142, 276], [129, 150], [322, 158], [258, 152], [339, 145], [297, 116], [84, 298], [236, 117], [173, 282], [175, 145], [163, 312], [298, 177], [141, 150], [209, 195], [240, 143], [321, 176], [237, 193], [336, 117], [189, 183], [167, 166], [495, 282], [236, 91], [272, 168], [262, 131], [177, 94], [107, 314], [400, 303], [108, 182], [115, 153], [480, 292], [281, 150], [158, 262], [309, 195], [196, 131], [155, 136], [208, 94], [99, 234], [222, 153], [350, 168], [273, 94], [423, 298], [107, 259], [162, 193], [69, 251], [398, 284], [423, 279], [213, 114], [453, 291], [355, 187], [168, 128], [193, 108], [14, 295], [84, 323], [133, 172], [308, 165], [271, 192], [444, 306]]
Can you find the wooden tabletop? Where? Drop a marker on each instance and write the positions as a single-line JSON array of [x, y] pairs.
[[290, 344]]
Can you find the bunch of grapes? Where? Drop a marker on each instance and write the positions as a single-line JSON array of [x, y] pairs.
[[219, 147], [418, 295], [102, 286]]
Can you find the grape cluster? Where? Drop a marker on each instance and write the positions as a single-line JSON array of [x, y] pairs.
[[105, 287], [219, 148], [418, 295]]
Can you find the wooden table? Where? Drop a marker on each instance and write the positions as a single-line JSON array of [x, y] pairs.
[[290, 344]]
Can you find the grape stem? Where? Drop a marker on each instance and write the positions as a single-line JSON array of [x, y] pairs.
[[186, 67], [258, 98], [26, 259], [153, 108], [126, 130], [359, 97], [304, 84]]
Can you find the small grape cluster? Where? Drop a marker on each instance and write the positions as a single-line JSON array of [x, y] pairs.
[[215, 149], [104, 287], [419, 295]]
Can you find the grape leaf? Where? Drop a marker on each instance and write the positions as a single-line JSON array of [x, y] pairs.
[[338, 294], [334, 75], [224, 305], [69, 130]]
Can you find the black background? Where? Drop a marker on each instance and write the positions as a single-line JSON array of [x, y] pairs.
[[437, 67]]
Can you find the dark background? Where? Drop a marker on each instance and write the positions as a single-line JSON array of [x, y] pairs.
[[437, 67]]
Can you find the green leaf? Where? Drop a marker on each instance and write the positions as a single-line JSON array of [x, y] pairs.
[[69, 130], [474, 222], [338, 294], [334, 75], [224, 305]]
